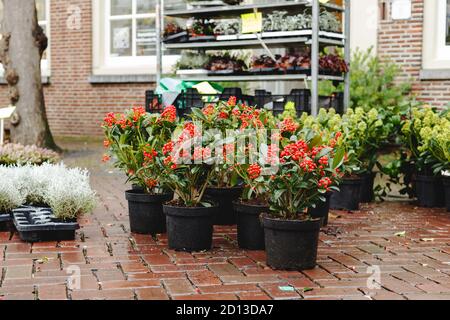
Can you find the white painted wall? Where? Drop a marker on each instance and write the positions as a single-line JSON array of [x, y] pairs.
[[364, 24]]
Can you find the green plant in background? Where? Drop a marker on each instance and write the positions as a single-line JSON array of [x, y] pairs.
[[289, 111], [440, 145], [426, 133], [373, 83]]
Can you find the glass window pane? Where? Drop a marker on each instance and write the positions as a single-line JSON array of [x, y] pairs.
[[121, 36], [145, 6], [145, 37], [121, 7], [41, 12], [448, 23]]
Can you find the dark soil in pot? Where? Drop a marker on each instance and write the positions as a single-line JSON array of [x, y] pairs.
[[224, 197], [250, 232], [349, 195], [146, 211], [137, 187], [446, 182], [367, 193], [429, 191], [291, 244], [321, 210], [189, 229]]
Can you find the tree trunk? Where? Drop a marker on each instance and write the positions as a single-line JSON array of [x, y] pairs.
[[21, 46]]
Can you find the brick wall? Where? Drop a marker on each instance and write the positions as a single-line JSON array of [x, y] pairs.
[[74, 106], [401, 42]]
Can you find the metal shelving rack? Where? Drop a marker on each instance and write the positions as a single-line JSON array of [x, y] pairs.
[[313, 38]]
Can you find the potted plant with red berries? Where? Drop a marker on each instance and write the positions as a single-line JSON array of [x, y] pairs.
[[255, 198], [222, 123], [291, 235], [187, 173], [134, 139]]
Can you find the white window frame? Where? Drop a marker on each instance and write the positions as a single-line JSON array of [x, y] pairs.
[[436, 54], [103, 62], [45, 63]]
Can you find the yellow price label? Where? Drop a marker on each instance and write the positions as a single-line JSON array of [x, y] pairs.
[[251, 22]]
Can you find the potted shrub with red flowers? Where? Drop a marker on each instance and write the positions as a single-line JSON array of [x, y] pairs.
[[134, 139], [222, 123], [255, 198], [291, 235], [187, 173]]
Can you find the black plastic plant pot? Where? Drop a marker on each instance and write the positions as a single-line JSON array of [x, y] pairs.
[[322, 209], [39, 224], [146, 211], [5, 222], [291, 244], [250, 232], [348, 197], [367, 193], [446, 182], [429, 191], [189, 229], [224, 197]]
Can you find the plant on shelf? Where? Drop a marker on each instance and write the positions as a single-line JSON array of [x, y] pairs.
[[191, 60], [133, 139], [226, 62], [333, 63], [233, 2], [172, 28], [202, 27], [328, 21], [265, 62], [17, 154], [306, 172], [227, 27]]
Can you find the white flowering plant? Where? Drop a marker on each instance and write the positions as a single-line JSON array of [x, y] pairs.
[[10, 197], [65, 190]]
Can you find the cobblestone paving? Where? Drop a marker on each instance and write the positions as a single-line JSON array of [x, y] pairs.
[[404, 249]]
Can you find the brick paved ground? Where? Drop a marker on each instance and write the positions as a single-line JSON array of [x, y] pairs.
[[115, 264]]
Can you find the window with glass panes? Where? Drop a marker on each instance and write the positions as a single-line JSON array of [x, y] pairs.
[[42, 9], [131, 25]]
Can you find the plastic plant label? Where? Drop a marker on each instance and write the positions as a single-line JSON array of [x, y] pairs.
[[286, 288], [251, 22], [400, 234], [205, 88]]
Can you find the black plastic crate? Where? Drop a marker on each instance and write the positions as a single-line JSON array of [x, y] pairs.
[[300, 97], [39, 224]]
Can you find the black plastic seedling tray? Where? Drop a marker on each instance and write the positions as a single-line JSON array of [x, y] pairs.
[[39, 224]]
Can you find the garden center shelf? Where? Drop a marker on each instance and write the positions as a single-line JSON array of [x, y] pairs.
[[252, 43], [266, 77], [313, 39], [224, 11]]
